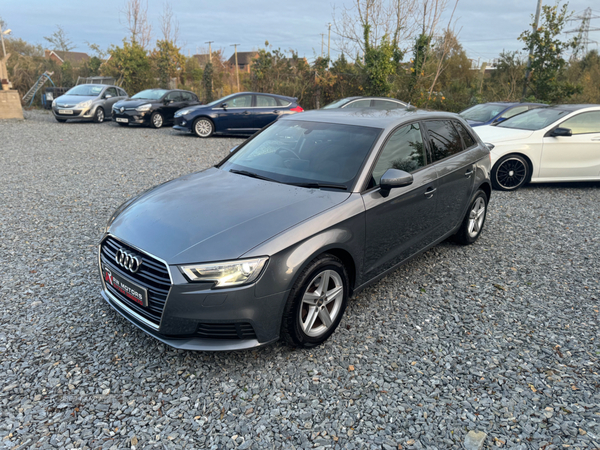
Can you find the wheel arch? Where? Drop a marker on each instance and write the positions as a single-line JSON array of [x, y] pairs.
[[522, 155], [204, 116]]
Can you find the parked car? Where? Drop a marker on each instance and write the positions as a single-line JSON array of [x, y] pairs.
[[244, 113], [384, 103], [154, 107], [556, 143], [495, 112], [87, 102], [273, 240]]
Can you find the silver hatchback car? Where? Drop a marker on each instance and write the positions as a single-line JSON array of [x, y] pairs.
[[87, 102]]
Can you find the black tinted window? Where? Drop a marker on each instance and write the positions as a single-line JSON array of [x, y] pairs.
[[467, 138], [443, 139], [404, 150], [122, 93], [175, 96]]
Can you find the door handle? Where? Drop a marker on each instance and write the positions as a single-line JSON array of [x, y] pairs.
[[276, 111], [468, 173], [246, 112], [429, 192]]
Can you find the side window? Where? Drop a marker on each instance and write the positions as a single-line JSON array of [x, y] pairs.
[[264, 101], [281, 102], [467, 138], [358, 104], [404, 150], [242, 101], [174, 96], [443, 139], [122, 93], [386, 105], [111, 91], [588, 122], [514, 111]]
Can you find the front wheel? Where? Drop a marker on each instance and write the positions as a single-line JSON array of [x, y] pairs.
[[472, 224], [510, 173], [203, 127], [156, 120], [99, 115], [316, 304]]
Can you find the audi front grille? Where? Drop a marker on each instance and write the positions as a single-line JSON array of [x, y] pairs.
[[152, 275]]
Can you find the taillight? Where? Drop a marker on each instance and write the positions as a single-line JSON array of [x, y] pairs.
[[297, 109]]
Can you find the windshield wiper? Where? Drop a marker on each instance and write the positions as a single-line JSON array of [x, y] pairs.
[[320, 185], [253, 175]]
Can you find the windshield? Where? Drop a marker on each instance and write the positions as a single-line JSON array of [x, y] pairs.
[[221, 100], [536, 119], [336, 104], [482, 113], [151, 94], [298, 152], [85, 90]]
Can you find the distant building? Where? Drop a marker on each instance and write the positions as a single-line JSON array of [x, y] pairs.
[[244, 60], [75, 58]]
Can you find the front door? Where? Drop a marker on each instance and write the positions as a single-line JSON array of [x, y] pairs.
[[404, 222], [237, 116], [576, 156]]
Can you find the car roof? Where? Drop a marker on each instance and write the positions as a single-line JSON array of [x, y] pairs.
[[573, 107], [369, 97], [293, 99], [368, 117]]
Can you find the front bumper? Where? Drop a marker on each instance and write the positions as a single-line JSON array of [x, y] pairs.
[[196, 317], [85, 114], [132, 116], [183, 123]]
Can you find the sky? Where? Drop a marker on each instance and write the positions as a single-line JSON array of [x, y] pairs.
[[485, 27]]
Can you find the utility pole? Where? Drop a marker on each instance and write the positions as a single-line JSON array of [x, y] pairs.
[[535, 27], [237, 75], [329, 47], [209, 51], [322, 37], [2, 38]]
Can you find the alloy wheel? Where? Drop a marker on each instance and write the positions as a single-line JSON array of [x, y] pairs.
[[321, 303], [157, 120], [99, 115], [203, 128], [511, 173], [476, 217]]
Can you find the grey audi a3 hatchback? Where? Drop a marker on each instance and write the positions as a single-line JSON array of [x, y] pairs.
[[273, 241]]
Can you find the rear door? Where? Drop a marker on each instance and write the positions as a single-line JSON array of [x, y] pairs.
[[266, 111], [404, 222], [576, 156], [455, 163]]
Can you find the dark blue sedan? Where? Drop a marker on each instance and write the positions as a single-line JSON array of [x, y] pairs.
[[242, 114], [496, 112]]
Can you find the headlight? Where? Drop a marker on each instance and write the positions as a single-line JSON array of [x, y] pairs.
[[182, 112], [53, 102], [83, 105], [233, 273], [145, 107]]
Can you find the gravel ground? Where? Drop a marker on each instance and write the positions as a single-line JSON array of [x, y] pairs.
[[499, 337]]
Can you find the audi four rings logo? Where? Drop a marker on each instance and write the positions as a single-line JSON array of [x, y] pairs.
[[128, 261]]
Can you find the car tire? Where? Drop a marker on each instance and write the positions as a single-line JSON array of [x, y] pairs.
[[311, 315], [203, 127], [60, 120], [156, 120], [472, 224], [99, 115], [510, 173]]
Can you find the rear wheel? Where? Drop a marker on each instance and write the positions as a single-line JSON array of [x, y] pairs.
[[99, 115], [472, 224], [203, 127], [156, 120], [510, 173], [316, 303]]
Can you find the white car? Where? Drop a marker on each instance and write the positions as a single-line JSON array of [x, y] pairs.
[[554, 143]]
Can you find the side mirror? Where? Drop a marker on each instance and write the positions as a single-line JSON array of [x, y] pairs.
[[108, 96], [224, 105], [394, 178], [565, 132]]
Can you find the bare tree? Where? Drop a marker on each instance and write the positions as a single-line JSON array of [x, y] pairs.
[[392, 18], [60, 41], [169, 26], [448, 41], [136, 22]]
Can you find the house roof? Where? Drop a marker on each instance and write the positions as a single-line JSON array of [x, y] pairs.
[[74, 58], [243, 58]]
